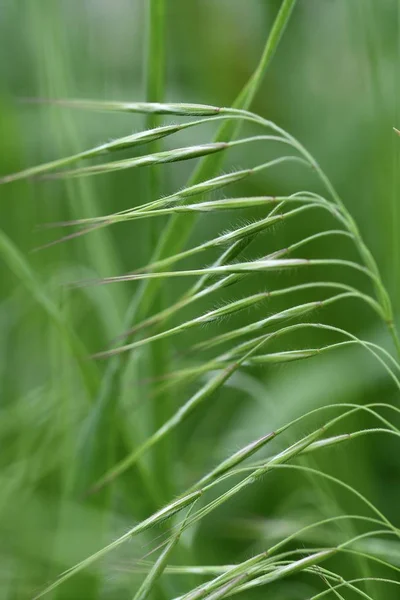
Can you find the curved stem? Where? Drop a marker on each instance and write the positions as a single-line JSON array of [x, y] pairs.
[[364, 251]]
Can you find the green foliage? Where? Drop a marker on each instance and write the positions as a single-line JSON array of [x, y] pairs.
[[215, 335]]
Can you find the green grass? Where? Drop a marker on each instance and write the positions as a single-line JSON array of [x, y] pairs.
[[200, 361]]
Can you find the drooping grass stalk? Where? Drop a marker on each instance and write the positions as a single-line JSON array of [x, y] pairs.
[[266, 571], [221, 283], [366, 255], [335, 519], [349, 583], [182, 376], [229, 237], [243, 569], [258, 265], [226, 204], [144, 161], [269, 561], [124, 143], [345, 437], [174, 155], [267, 566], [229, 309], [290, 569], [350, 224], [276, 334], [309, 352], [151, 136], [282, 331], [245, 453], [278, 461], [216, 570]]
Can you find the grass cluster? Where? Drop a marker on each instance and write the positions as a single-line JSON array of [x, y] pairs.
[[126, 427]]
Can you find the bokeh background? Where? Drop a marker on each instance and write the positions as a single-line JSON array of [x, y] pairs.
[[334, 84]]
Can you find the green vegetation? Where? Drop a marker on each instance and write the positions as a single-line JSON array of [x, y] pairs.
[[200, 373]]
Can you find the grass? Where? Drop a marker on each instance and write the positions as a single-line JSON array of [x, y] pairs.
[[200, 382]]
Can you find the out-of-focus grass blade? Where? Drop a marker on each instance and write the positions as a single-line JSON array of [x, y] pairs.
[[21, 269]]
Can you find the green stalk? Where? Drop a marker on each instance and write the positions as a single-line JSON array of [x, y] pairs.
[[349, 583], [155, 60], [352, 226], [158, 353], [277, 461], [245, 267], [178, 229], [228, 309]]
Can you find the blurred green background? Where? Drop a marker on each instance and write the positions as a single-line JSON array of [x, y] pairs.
[[334, 84]]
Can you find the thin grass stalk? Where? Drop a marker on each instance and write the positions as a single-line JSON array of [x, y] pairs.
[[230, 236], [155, 66], [271, 556], [279, 461], [348, 583], [226, 204], [229, 309], [365, 253], [216, 570], [258, 265], [182, 376]]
